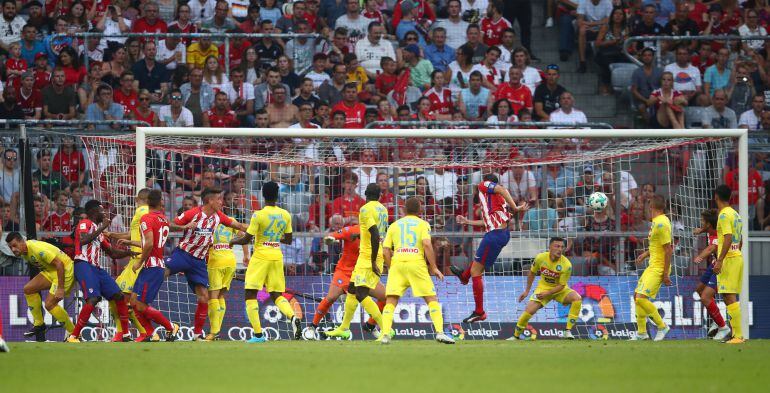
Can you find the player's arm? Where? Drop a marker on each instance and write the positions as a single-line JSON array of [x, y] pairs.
[[149, 242], [727, 242], [430, 255], [530, 280], [551, 291], [462, 220], [232, 223], [86, 238], [116, 253], [668, 251], [387, 254], [59, 266], [118, 235], [710, 249], [243, 239], [287, 238], [502, 191], [183, 222], [642, 257], [375, 245]]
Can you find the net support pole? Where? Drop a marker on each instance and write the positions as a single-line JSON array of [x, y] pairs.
[[743, 207], [141, 160]]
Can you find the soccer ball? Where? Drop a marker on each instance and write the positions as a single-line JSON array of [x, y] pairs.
[[597, 201]]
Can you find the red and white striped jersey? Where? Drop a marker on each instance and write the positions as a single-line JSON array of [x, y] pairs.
[[494, 210], [713, 240], [440, 102], [197, 241], [89, 252], [156, 223]]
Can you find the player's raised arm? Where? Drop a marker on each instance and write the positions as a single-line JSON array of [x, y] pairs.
[[502, 191], [462, 220], [86, 238]]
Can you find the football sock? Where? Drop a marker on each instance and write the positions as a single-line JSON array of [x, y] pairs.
[[713, 311], [284, 306], [157, 317], [121, 308], [652, 312], [221, 313], [115, 316], [201, 312], [466, 275], [60, 315], [252, 311], [144, 322], [35, 305], [734, 312], [351, 304], [478, 293], [387, 318], [374, 312], [320, 311], [574, 313], [523, 320], [381, 306], [83, 316], [641, 318], [214, 315], [137, 323], [436, 316]]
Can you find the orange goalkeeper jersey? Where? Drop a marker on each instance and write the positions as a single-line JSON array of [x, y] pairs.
[[349, 247]]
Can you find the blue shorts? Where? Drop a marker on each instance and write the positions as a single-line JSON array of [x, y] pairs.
[[491, 245], [708, 277], [194, 269], [94, 282], [148, 284]]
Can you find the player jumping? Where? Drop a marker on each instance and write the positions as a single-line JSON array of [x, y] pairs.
[[661, 248], [406, 247], [729, 264], [189, 256], [56, 274], [269, 227], [95, 281], [373, 220], [495, 201], [555, 271], [707, 288]]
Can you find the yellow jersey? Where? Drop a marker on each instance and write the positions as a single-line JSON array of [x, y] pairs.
[[552, 273], [660, 236], [729, 223], [405, 238], [220, 253], [372, 214], [268, 227], [135, 231], [41, 255]]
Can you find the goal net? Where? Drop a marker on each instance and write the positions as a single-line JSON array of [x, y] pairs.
[[322, 182]]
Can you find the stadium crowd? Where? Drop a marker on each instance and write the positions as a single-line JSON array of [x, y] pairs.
[[374, 60]]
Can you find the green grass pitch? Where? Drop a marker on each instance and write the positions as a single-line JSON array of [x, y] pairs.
[[404, 366]]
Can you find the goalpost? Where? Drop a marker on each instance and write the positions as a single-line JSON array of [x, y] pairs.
[[312, 166]]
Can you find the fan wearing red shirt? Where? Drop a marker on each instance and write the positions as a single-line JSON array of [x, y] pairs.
[[440, 97], [220, 116], [423, 11], [755, 185], [150, 23], [354, 111], [349, 203], [30, 99], [517, 94], [386, 79], [372, 12], [492, 27], [238, 47], [388, 199], [42, 76], [60, 219], [19, 66], [69, 161], [126, 95]]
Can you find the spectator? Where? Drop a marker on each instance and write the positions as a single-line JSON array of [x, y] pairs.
[[473, 37], [306, 95], [87, 89], [11, 25], [133, 51], [287, 23], [666, 10], [251, 66], [220, 115], [10, 182], [50, 180], [282, 114], [431, 210], [300, 50], [440, 97], [460, 70], [542, 216], [143, 111], [531, 75], [353, 21], [198, 52], [270, 11], [521, 183], [104, 109], [521, 11], [288, 76], [113, 23], [704, 58], [423, 9], [150, 21], [354, 111], [567, 113], [667, 104], [30, 99], [599, 251], [69, 63], [763, 210], [92, 48], [117, 65], [454, 23], [59, 100], [37, 18], [151, 75], [718, 75], [263, 93], [751, 118], [318, 72], [175, 114], [214, 75], [268, 49], [492, 76], [388, 199], [506, 49], [198, 96], [126, 94], [755, 188], [644, 81], [423, 111], [10, 108], [221, 22], [514, 91], [371, 50], [60, 219], [546, 99], [243, 201], [741, 88], [200, 10], [591, 15], [681, 24], [77, 18], [472, 101], [421, 69], [349, 203], [54, 43], [493, 25], [241, 96], [171, 51], [687, 77], [30, 44], [372, 10], [752, 27], [609, 44], [647, 27], [502, 113], [184, 23], [304, 117], [718, 115], [340, 46], [385, 113], [411, 21]]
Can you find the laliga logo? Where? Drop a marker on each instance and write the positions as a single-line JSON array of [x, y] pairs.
[[244, 333], [457, 331], [529, 333], [599, 333]]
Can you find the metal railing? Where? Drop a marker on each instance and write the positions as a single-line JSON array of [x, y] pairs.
[[659, 50]]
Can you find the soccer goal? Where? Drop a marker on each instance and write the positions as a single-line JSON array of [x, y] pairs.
[[322, 175]]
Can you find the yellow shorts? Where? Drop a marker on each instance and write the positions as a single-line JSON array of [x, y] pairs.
[[650, 282], [730, 278], [69, 279], [558, 296], [363, 275], [220, 277], [127, 277], [265, 273], [403, 275]]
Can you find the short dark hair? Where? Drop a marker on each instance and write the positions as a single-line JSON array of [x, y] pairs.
[[91, 205], [556, 239], [373, 25], [659, 203], [723, 192], [339, 113], [412, 205], [710, 217], [491, 177], [154, 198], [43, 153], [208, 191], [13, 235], [270, 191], [372, 192], [143, 193]]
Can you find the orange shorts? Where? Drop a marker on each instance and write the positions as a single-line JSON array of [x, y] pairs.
[[341, 279]]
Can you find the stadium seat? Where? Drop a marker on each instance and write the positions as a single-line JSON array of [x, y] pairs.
[[693, 116], [621, 76]]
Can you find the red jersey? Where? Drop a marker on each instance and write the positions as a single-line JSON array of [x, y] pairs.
[[196, 241], [155, 222], [69, 165], [347, 207], [493, 31], [15, 65], [349, 255], [190, 28], [101, 8], [520, 97], [440, 102], [374, 16], [755, 184], [658, 92], [385, 82], [423, 11], [389, 200], [30, 103], [42, 78], [56, 222], [236, 53], [315, 213], [228, 119], [494, 210], [128, 101], [149, 119], [699, 63], [89, 252], [142, 26], [354, 116], [73, 76]]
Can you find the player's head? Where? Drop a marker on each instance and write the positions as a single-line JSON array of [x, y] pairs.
[[212, 196], [141, 196], [155, 199], [270, 192], [491, 177], [412, 206], [556, 247], [722, 193], [94, 210], [708, 219], [372, 192], [658, 204], [16, 243]]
